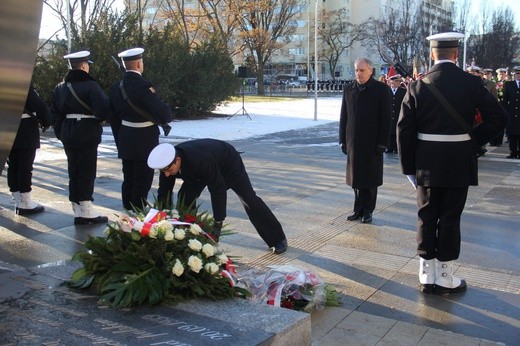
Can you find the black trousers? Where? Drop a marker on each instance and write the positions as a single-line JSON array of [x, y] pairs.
[[19, 171], [165, 191], [514, 144], [498, 140], [438, 225], [137, 182], [365, 200], [262, 218], [82, 166], [392, 145]]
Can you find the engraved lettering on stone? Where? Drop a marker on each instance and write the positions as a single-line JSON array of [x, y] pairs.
[[95, 338], [118, 328], [36, 318], [60, 309], [165, 321]]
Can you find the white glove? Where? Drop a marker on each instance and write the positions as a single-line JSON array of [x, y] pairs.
[[412, 180]]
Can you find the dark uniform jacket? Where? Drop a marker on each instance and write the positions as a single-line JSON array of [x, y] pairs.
[[28, 135], [212, 163], [446, 164], [365, 121], [397, 99], [512, 104], [85, 132], [136, 143]]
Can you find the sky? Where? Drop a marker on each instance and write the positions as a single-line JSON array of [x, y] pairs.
[[50, 23]]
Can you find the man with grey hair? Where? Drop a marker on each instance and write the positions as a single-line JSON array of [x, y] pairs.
[[364, 133], [438, 151]]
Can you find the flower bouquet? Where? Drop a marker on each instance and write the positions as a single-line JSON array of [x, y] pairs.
[[290, 287], [160, 255]]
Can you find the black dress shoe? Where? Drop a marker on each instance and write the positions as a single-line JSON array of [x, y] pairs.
[[445, 290], [281, 247], [367, 218], [427, 288], [355, 216], [512, 156]]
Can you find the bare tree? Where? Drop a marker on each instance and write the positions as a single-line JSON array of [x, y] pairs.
[[337, 36], [84, 14], [262, 25], [394, 33], [495, 42], [222, 17]]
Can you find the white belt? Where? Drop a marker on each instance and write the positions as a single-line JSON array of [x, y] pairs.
[[137, 125], [26, 116], [443, 138], [80, 116]]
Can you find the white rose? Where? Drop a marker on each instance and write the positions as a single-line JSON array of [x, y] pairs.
[[165, 225], [168, 236], [178, 268], [211, 268], [195, 245], [195, 263], [153, 231], [195, 229], [179, 234], [208, 250], [223, 259]]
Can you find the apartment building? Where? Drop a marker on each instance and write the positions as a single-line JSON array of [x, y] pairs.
[[297, 56]]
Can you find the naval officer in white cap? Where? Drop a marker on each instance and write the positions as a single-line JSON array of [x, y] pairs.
[[440, 157], [218, 166], [135, 111], [79, 106]]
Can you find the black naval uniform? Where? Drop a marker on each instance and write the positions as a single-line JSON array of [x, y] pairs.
[[79, 129], [36, 114], [135, 135], [397, 99], [512, 104], [444, 166], [217, 165]]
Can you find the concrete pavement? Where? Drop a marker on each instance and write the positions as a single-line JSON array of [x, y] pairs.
[[300, 175]]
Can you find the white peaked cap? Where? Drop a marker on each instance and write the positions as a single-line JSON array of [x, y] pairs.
[[445, 40], [131, 54], [161, 156], [78, 56]]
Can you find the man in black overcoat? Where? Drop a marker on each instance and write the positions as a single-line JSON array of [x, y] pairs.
[[364, 133], [439, 157], [512, 104], [79, 106], [135, 116], [218, 166], [36, 114]]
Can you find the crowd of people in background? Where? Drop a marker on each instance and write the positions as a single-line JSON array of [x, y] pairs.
[[504, 86]]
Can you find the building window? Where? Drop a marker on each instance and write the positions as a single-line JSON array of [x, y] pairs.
[[297, 51]]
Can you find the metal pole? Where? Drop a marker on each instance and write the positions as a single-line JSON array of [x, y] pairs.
[[316, 62], [69, 45], [308, 41], [464, 53]]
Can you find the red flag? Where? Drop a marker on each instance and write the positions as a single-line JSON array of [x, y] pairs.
[[391, 72]]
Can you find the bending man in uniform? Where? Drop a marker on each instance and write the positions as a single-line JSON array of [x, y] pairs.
[[217, 165]]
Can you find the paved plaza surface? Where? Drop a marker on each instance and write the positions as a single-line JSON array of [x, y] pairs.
[[300, 174]]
